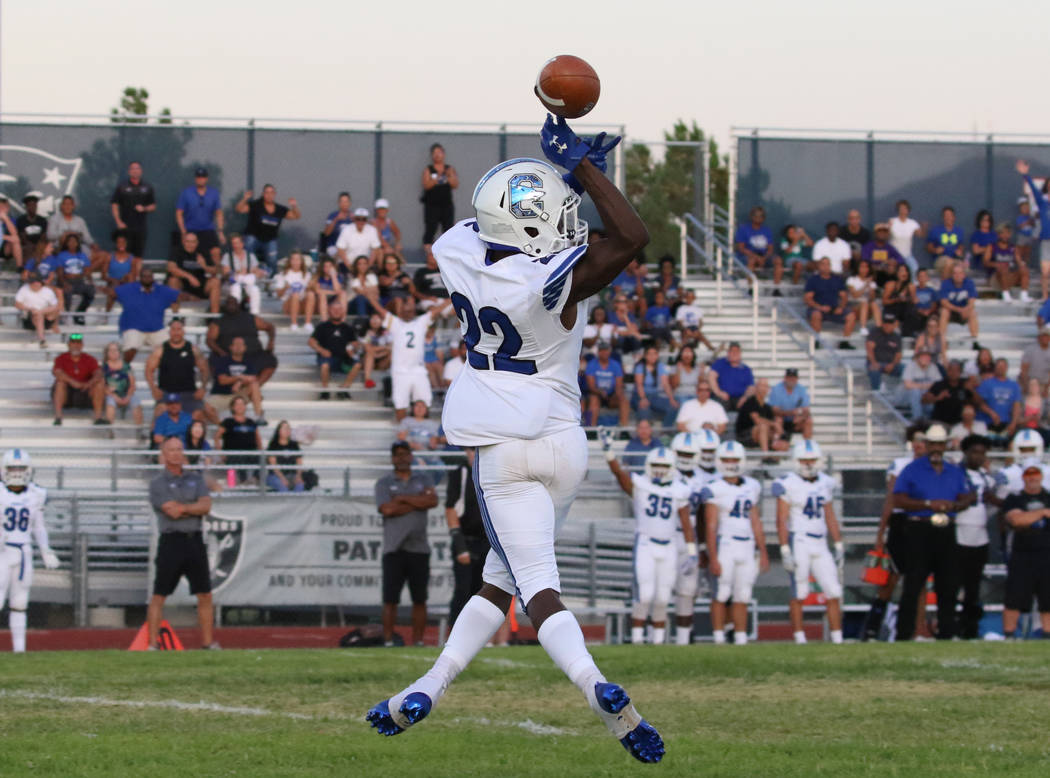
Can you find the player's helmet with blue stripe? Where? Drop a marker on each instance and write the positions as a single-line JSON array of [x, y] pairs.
[[524, 205], [659, 463], [1027, 444], [807, 456], [731, 459], [709, 441], [16, 468], [686, 446]]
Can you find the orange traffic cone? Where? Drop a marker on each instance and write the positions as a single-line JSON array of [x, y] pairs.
[[167, 640]]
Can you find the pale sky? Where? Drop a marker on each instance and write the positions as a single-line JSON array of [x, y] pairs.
[[919, 65]]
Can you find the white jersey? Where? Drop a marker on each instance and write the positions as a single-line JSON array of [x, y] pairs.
[[696, 481], [406, 341], [1009, 481], [734, 503], [522, 364], [22, 516], [656, 507], [971, 525], [806, 500]]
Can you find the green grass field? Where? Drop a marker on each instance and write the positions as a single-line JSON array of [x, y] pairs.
[[760, 710]]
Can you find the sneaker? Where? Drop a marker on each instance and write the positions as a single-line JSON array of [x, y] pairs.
[[294, 327], [638, 736], [57, 422], [846, 345], [101, 422], [343, 394], [1025, 297], [413, 709], [1006, 297], [977, 346], [213, 646], [864, 332], [776, 292], [370, 384], [817, 345], [43, 343], [325, 395], [260, 420]]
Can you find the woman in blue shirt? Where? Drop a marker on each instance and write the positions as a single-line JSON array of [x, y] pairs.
[[1043, 204], [121, 268], [653, 397], [982, 240], [74, 275]]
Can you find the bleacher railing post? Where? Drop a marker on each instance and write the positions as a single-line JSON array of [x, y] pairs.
[[754, 315], [78, 565], [867, 425], [113, 471], [346, 482], [773, 333], [718, 279], [683, 246], [849, 405], [812, 351]]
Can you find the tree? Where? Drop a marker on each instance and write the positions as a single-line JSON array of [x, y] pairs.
[[134, 108], [660, 190]]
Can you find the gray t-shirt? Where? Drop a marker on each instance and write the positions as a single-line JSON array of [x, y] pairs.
[[407, 532], [915, 373], [186, 488], [1038, 361]]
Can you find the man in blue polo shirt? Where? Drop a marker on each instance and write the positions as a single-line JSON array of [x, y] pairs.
[[931, 492], [945, 242], [754, 240], [199, 210], [958, 300], [825, 298], [730, 378], [142, 318]]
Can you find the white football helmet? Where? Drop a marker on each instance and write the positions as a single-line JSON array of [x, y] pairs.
[[1027, 444], [686, 448], [731, 459], [709, 441], [525, 205], [16, 468], [807, 458], [659, 463]]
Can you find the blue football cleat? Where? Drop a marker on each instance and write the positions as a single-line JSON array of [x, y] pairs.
[[644, 743], [413, 709], [611, 698], [638, 736]]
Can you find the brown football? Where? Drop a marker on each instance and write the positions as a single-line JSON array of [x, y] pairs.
[[567, 86]]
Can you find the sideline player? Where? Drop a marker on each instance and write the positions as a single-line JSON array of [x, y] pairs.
[[805, 514], [1026, 448], [695, 458], [22, 503], [658, 497], [409, 380], [734, 528], [889, 539], [519, 275]]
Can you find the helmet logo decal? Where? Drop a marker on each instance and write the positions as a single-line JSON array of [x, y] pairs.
[[526, 196]]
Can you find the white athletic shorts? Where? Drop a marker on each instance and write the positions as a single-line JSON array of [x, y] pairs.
[[813, 558], [16, 575], [525, 489], [407, 386], [739, 569], [654, 570]]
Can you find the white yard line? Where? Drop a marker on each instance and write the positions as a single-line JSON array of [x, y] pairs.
[[203, 707]]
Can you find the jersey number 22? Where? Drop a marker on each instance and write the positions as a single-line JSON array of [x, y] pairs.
[[488, 319]]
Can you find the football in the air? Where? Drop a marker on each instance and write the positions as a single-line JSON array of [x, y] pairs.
[[567, 86]]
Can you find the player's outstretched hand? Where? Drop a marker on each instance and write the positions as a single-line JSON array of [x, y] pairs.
[[605, 437], [563, 147], [787, 558], [50, 559]]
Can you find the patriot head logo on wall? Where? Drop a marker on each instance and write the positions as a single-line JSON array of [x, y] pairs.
[[24, 169]]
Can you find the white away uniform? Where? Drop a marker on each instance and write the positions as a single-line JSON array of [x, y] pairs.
[[807, 533], [517, 400], [655, 554], [21, 521], [687, 582], [408, 375], [736, 542]]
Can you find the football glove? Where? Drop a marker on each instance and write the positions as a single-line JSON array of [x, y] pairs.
[[565, 148], [459, 543], [787, 558], [605, 437], [840, 559], [50, 560], [690, 564]]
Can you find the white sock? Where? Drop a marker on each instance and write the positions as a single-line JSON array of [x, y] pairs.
[[659, 636], [474, 627], [637, 635], [836, 636], [719, 636], [16, 622], [561, 637], [682, 635], [800, 638], [739, 637]]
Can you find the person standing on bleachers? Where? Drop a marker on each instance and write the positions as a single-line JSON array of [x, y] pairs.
[[31, 226], [64, 221], [131, 204], [265, 215], [343, 216], [199, 211]]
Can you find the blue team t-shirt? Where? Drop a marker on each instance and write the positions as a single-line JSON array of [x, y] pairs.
[[926, 297], [733, 380], [144, 311], [958, 295], [878, 255], [825, 290], [650, 382], [1044, 311], [198, 211], [605, 377], [625, 284], [658, 316], [168, 427], [1000, 395], [44, 267], [1024, 225], [757, 240], [949, 240], [983, 238], [72, 262], [329, 240]]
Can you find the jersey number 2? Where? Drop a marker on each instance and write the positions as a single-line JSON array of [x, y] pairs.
[[488, 319], [16, 518]]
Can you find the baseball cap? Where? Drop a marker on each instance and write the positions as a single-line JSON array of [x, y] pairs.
[[936, 434], [1045, 327], [34, 195], [382, 203], [791, 371], [889, 316], [735, 344], [75, 336], [172, 397], [34, 277], [881, 226], [603, 344], [1032, 468], [360, 213], [3, 197], [201, 172], [1022, 199], [398, 444]]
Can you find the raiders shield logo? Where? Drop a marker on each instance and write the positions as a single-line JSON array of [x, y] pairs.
[[224, 538], [24, 169]]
